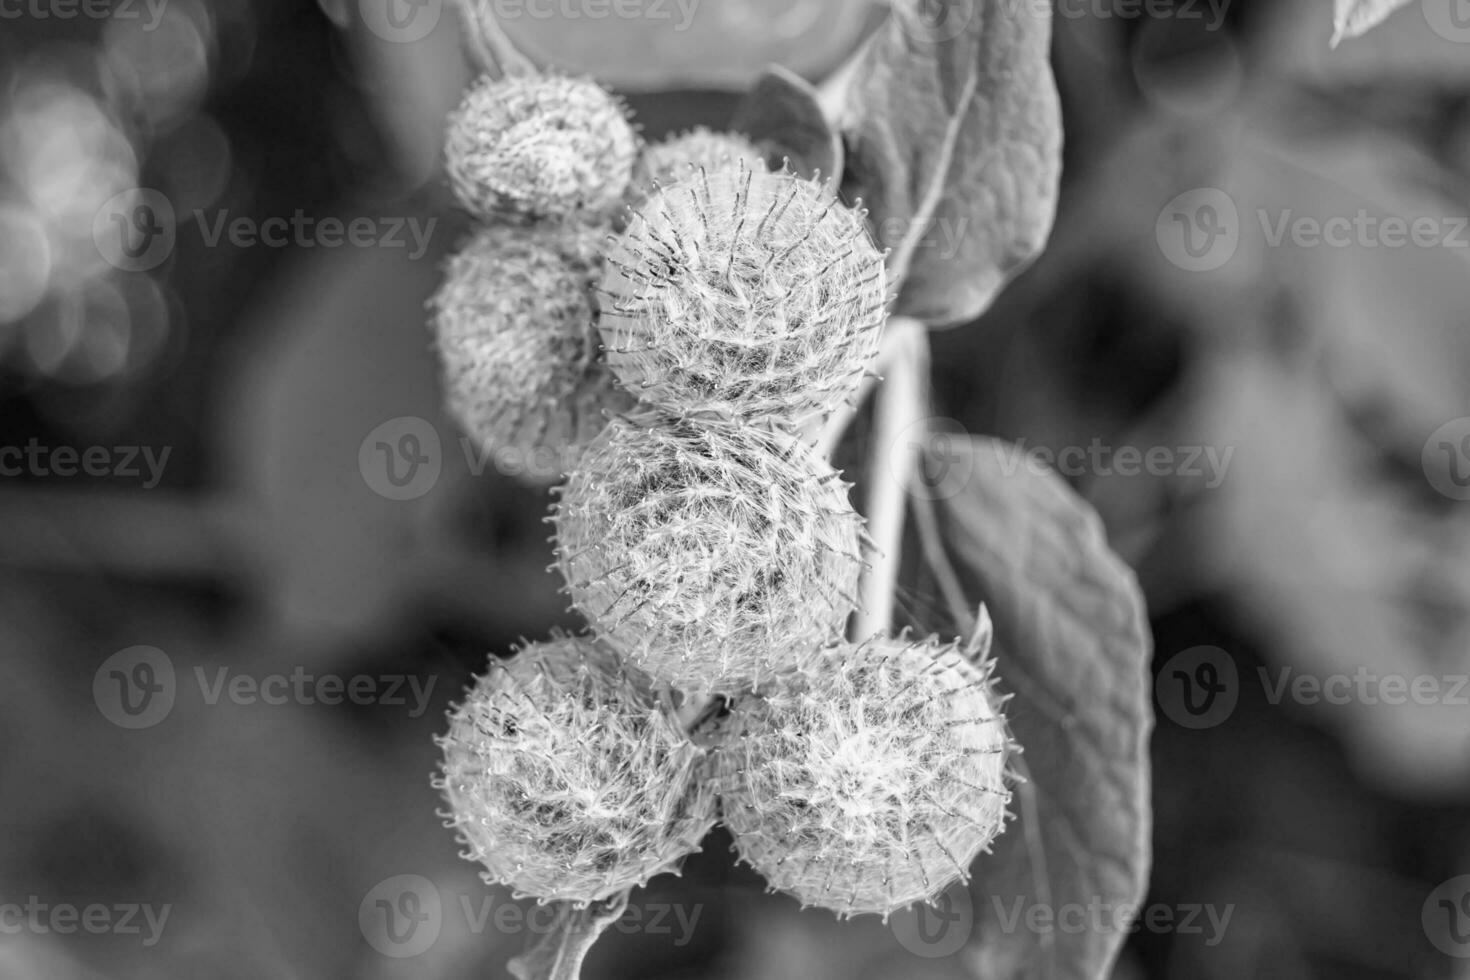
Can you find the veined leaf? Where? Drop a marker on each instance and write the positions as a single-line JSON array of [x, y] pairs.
[[953, 130], [781, 115], [1072, 645]]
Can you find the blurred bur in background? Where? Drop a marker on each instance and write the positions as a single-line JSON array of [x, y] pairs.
[[1331, 541]]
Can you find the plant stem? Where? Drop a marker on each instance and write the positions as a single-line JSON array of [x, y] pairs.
[[494, 52], [899, 419], [559, 955]]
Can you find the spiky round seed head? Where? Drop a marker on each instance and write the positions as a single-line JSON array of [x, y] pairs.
[[673, 159], [707, 553], [514, 323], [539, 146], [872, 780], [566, 780], [744, 293]]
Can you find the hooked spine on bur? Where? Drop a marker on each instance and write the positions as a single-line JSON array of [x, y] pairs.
[[566, 780], [744, 293], [707, 552], [670, 356], [872, 778], [677, 157], [539, 146], [515, 326]]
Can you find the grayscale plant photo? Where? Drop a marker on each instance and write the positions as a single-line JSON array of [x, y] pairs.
[[735, 489]]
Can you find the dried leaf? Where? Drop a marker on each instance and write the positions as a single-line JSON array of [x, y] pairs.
[[953, 128], [1353, 18], [1072, 644], [780, 114]]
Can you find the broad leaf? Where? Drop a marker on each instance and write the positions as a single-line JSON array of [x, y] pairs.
[[780, 114], [1072, 645], [953, 131], [1353, 18]]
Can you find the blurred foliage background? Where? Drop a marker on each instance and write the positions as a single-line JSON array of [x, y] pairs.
[[263, 549]]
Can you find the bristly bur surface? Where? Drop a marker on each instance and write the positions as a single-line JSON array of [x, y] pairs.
[[671, 160], [515, 326], [708, 553], [566, 780], [539, 146], [872, 779], [744, 293]]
